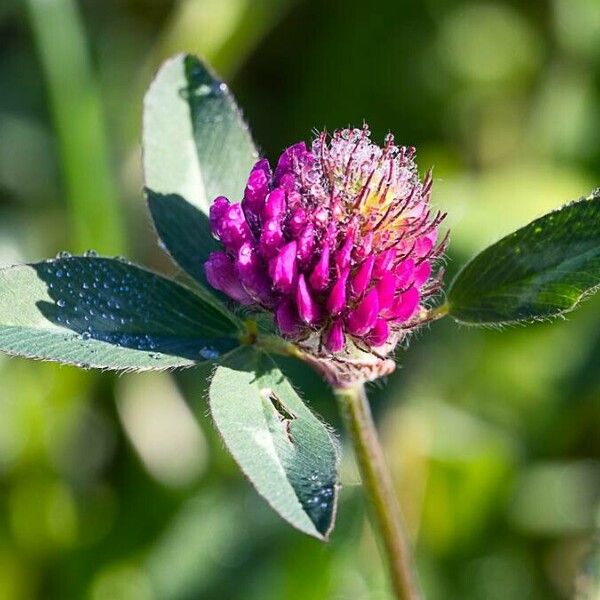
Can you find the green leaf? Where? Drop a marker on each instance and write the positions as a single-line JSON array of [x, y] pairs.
[[285, 451], [106, 313], [185, 233], [542, 270], [196, 147]]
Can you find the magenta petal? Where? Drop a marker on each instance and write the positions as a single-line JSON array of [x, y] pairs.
[[288, 182], [232, 228], [363, 317], [297, 221], [220, 273], [405, 272], [334, 338], [319, 278], [274, 204], [406, 305], [367, 243], [336, 302], [386, 288], [283, 269], [216, 213], [308, 309], [342, 257], [422, 274], [321, 216], [258, 185], [423, 245], [306, 245], [252, 274], [379, 334], [256, 191], [271, 238], [362, 278], [286, 160], [287, 318], [383, 262], [294, 200], [331, 233], [365, 246]]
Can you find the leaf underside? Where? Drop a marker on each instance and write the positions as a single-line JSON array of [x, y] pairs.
[[286, 452], [542, 270], [196, 147], [109, 314]]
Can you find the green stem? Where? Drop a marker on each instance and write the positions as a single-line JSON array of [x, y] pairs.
[[439, 312], [79, 125], [270, 343], [378, 486]]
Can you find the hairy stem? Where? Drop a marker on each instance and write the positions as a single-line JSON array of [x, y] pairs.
[[378, 486], [270, 343], [440, 312]]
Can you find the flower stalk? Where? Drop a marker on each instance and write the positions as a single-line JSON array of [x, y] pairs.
[[439, 312], [378, 486]]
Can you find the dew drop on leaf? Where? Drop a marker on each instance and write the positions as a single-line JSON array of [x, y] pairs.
[[203, 90], [209, 353]]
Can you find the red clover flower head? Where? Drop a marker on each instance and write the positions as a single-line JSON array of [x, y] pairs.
[[339, 243]]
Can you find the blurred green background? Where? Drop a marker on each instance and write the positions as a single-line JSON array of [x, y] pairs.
[[117, 488]]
